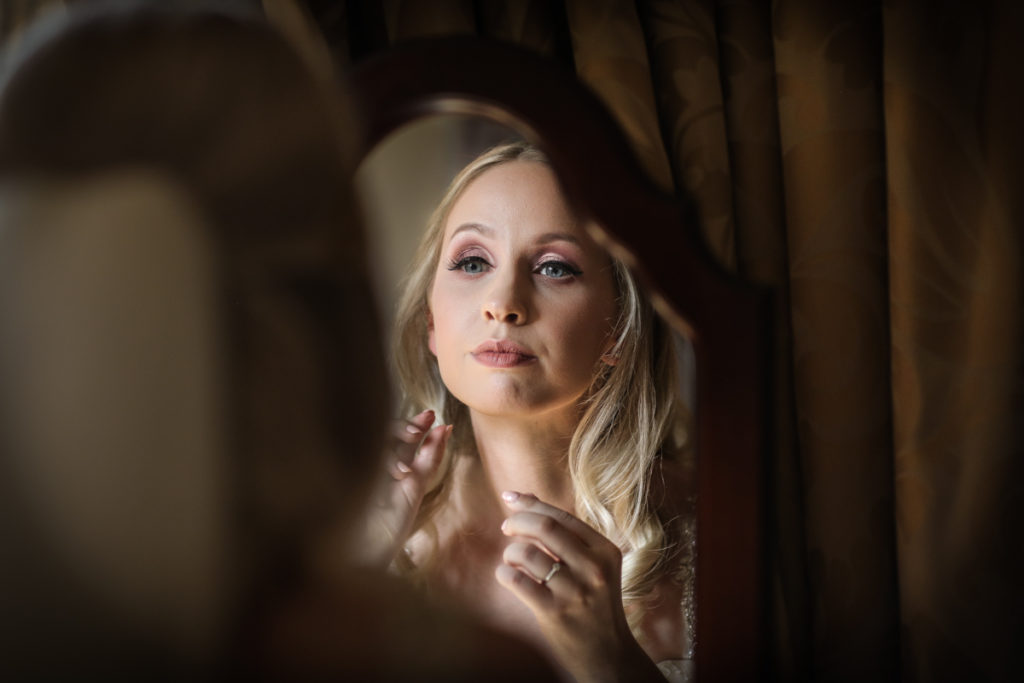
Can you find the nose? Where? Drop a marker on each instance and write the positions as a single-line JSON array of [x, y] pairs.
[[506, 301]]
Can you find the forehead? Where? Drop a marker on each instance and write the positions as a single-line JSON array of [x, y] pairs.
[[523, 195]]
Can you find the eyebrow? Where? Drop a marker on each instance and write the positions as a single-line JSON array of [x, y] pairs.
[[478, 227], [546, 238]]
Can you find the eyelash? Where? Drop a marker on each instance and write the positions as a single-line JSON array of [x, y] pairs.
[[462, 263], [571, 270]]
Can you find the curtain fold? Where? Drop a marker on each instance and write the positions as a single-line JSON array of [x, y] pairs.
[[746, 56], [832, 145], [957, 294], [537, 25], [611, 57], [684, 48]]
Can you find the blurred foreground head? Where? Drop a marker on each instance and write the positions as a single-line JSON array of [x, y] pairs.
[[193, 388]]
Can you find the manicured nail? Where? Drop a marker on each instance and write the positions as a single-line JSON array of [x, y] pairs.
[[402, 467], [504, 525], [510, 496], [413, 429]]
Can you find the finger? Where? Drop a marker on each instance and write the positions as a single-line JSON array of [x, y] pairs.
[[551, 534], [530, 558], [529, 503], [431, 451], [535, 595], [398, 469], [425, 464], [406, 435], [411, 431], [561, 532]]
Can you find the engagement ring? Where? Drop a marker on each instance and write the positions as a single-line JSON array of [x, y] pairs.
[[555, 568]]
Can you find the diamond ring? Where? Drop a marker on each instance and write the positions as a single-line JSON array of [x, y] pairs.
[[555, 568]]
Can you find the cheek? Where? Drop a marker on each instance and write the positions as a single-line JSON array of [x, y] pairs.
[[440, 329], [445, 318]]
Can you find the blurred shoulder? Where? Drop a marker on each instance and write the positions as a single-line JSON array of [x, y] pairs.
[[373, 627]]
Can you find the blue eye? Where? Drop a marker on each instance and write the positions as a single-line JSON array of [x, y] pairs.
[[558, 270], [471, 265]]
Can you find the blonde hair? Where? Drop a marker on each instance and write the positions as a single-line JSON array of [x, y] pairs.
[[630, 416]]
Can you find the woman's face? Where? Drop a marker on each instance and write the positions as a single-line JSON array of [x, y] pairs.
[[523, 301]]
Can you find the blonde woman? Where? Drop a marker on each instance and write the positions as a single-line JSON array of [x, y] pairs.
[[542, 496]]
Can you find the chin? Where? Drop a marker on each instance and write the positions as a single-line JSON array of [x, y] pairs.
[[497, 407], [507, 396], [518, 405], [497, 403]]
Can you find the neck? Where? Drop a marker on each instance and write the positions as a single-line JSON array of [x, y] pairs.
[[526, 455]]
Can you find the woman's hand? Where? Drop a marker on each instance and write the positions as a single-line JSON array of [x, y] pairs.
[[415, 455], [570, 576]]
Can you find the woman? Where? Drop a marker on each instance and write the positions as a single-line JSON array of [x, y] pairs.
[[541, 497]]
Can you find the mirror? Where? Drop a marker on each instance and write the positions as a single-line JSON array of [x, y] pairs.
[[402, 180], [724, 320], [400, 183]]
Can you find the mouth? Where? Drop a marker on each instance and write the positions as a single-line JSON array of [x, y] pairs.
[[502, 354]]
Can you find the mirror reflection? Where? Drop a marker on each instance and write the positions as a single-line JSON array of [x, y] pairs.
[[540, 472]]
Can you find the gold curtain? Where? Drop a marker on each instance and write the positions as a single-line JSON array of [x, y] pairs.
[[863, 159]]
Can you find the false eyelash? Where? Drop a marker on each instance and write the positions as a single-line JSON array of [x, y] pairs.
[[455, 264]]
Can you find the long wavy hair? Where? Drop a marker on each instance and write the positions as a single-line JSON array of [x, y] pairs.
[[631, 413]]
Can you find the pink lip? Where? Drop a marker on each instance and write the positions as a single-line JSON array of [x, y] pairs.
[[502, 354]]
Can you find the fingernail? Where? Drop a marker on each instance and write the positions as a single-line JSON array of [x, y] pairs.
[[510, 496], [402, 467], [413, 429], [448, 430], [504, 525]]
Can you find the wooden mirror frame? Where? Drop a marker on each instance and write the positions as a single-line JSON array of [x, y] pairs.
[[726, 319]]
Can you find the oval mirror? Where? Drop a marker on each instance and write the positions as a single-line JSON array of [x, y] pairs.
[[441, 102]]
